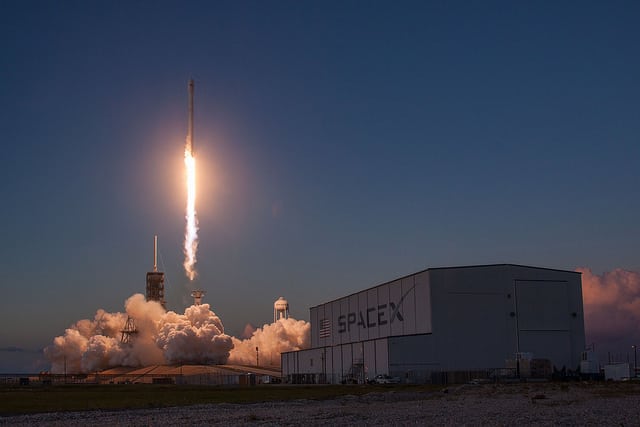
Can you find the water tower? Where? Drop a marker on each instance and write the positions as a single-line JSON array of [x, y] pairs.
[[280, 309]]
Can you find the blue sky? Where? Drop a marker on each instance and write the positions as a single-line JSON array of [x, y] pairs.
[[339, 145]]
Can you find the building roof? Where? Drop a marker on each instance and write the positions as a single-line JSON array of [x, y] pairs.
[[451, 268]]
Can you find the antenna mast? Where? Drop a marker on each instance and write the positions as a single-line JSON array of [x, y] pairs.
[[155, 253]]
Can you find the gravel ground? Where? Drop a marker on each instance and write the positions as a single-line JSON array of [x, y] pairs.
[[538, 404]]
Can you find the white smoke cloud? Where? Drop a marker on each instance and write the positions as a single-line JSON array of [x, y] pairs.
[[195, 337], [248, 330], [162, 337], [101, 351], [75, 351], [272, 339]]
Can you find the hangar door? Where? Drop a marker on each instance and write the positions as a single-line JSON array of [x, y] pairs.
[[543, 317]]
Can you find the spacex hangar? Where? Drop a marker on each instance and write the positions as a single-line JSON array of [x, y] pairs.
[[438, 322]]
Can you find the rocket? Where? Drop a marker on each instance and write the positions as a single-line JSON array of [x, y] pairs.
[[190, 130], [191, 230]]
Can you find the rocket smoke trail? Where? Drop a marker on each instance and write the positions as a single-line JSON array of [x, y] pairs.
[[191, 229]]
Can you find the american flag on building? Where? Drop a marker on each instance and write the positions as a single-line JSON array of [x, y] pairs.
[[325, 328]]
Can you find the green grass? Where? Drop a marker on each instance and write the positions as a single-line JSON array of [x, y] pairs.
[[33, 399], [30, 399]]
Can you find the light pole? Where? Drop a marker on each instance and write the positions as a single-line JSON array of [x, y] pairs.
[[635, 360], [257, 359]]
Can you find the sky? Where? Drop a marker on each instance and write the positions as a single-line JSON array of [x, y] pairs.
[[339, 145]]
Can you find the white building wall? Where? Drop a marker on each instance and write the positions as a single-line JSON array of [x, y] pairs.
[[370, 359], [347, 358], [401, 307], [382, 357], [372, 301], [413, 358], [332, 365], [337, 368]]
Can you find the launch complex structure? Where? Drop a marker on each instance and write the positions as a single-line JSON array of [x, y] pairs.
[[155, 279], [155, 292]]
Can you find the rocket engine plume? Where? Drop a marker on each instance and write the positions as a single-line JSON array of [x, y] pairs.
[[191, 229]]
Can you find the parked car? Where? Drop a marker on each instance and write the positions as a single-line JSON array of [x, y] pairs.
[[385, 379]]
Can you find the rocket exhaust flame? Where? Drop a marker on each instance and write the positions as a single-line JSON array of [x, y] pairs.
[[191, 229]]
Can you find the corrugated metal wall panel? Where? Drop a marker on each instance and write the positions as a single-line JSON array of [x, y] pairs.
[[382, 356], [423, 303]]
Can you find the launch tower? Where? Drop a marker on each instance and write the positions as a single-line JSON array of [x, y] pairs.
[[155, 279]]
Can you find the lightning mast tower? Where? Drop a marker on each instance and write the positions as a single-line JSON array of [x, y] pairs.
[[155, 279]]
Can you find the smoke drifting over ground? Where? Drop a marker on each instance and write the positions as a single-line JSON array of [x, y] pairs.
[[611, 307], [196, 337], [271, 340]]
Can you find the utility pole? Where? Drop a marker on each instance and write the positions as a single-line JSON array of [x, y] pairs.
[[257, 357]]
